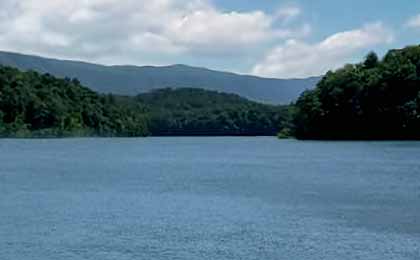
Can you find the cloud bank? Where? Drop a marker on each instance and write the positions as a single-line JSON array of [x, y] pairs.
[[300, 59], [144, 32], [126, 30]]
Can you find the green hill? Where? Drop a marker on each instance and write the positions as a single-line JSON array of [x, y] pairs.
[[201, 112], [36, 105], [32, 104], [375, 99]]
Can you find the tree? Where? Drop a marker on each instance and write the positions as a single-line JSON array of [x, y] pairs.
[[372, 100], [371, 60], [42, 105], [2, 125]]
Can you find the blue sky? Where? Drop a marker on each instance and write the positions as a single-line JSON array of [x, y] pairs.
[[331, 16], [267, 38], [328, 17]]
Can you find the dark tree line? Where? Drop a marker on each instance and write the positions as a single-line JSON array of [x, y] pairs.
[[186, 112], [376, 99], [35, 105], [32, 104]]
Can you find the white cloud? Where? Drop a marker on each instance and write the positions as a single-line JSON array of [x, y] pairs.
[[204, 28], [288, 13], [299, 59], [414, 22], [96, 30]]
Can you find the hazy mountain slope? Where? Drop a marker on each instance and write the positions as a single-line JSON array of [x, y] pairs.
[[132, 80]]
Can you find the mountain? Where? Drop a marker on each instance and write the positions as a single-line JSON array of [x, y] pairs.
[[133, 80]]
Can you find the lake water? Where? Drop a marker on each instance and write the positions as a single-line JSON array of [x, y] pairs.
[[209, 198]]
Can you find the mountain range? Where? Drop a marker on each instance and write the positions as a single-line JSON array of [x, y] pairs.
[[133, 80]]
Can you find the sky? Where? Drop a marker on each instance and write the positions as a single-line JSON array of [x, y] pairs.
[[269, 38]]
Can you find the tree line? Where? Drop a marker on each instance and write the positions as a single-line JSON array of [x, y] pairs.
[[375, 99], [198, 112], [40, 105]]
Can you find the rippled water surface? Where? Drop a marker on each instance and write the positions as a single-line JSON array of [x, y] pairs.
[[209, 198]]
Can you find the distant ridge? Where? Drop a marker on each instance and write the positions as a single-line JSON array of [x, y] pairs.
[[133, 80]]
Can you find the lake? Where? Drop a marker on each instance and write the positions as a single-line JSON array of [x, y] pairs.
[[209, 198]]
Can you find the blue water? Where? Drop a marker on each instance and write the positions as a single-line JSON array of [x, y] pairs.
[[209, 198]]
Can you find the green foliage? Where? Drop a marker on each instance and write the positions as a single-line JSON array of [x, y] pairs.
[[372, 100], [41, 105], [285, 133], [371, 60], [35, 105], [199, 112]]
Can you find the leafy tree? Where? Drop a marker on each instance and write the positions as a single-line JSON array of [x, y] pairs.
[[377, 99], [371, 60], [199, 112], [32, 104]]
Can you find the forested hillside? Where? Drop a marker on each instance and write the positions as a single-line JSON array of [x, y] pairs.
[[35, 105], [201, 112], [376, 99], [133, 80], [41, 105]]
